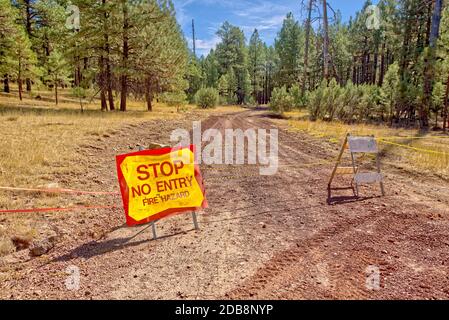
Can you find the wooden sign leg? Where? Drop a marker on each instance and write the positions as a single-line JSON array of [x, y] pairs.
[[355, 172], [340, 155], [382, 188]]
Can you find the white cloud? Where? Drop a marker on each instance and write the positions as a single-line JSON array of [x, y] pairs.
[[267, 16], [203, 46]]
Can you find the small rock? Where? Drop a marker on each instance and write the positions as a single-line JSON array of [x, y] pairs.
[[384, 251], [41, 247], [21, 242]]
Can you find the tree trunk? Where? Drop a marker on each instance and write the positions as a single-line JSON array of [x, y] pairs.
[[382, 66], [255, 73], [307, 45], [28, 16], [404, 53], [104, 105], [148, 95], [107, 60], [429, 22], [367, 71], [124, 77], [375, 65], [436, 119], [430, 64], [77, 72], [354, 70], [19, 81], [109, 85], [446, 107], [28, 84], [6, 84], [56, 92], [123, 92], [326, 42]]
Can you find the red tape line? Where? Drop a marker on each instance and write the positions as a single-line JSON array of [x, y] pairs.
[[59, 191], [56, 209]]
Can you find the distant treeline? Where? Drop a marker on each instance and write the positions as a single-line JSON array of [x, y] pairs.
[[119, 48], [408, 37], [392, 59]]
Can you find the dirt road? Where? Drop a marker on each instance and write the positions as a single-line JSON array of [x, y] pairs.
[[262, 237]]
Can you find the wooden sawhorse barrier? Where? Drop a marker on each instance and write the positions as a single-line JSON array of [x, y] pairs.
[[358, 145]]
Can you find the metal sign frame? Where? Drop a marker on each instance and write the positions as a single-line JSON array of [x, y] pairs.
[[358, 145], [195, 224]]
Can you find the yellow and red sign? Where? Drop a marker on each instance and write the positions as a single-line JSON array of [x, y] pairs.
[[158, 183]]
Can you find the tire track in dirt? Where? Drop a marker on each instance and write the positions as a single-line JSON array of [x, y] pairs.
[[290, 264]]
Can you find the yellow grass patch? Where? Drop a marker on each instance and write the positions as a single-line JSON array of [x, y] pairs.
[[37, 144], [410, 148]]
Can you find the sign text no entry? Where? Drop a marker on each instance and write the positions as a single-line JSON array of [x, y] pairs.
[[158, 183]]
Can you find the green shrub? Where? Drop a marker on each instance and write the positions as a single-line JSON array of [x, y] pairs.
[[174, 99], [251, 101], [330, 96], [281, 100], [348, 102], [207, 98], [299, 99], [316, 101]]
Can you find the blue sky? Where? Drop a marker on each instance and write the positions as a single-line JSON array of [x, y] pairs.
[[265, 15]]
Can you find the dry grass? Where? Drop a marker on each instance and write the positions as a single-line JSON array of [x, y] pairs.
[[6, 244], [37, 145], [38, 137], [427, 152], [35, 141]]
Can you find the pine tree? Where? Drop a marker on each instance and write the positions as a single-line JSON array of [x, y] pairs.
[[390, 89], [289, 49], [57, 72], [430, 61], [443, 64], [7, 28], [22, 59], [256, 63], [162, 56], [231, 56]]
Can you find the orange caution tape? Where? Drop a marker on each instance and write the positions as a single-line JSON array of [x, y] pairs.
[[59, 191], [56, 209]]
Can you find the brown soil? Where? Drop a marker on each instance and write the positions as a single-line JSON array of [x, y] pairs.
[[263, 237]]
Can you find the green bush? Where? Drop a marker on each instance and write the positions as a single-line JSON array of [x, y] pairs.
[[316, 101], [331, 93], [299, 99], [281, 100], [174, 99], [207, 98], [251, 101], [349, 103]]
